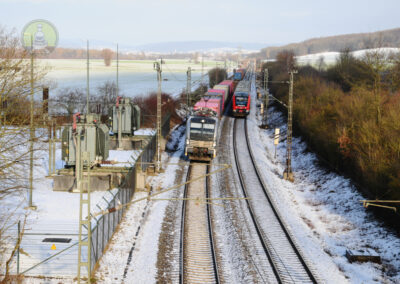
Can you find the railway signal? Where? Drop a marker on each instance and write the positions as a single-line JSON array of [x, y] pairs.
[[276, 139]]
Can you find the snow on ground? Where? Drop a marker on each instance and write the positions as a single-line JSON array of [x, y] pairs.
[[330, 57], [145, 131], [236, 242], [123, 158], [57, 213], [132, 255], [323, 210]]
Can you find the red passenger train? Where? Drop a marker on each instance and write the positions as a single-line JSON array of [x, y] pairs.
[[241, 99]]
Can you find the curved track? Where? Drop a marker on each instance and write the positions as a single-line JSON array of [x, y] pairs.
[[197, 260], [286, 260]]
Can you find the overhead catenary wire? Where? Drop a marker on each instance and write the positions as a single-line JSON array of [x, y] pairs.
[[121, 206]]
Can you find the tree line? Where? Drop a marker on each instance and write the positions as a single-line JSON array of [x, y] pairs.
[[348, 113], [387, 38]]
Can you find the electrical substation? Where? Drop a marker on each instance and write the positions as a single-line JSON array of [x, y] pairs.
[[124, 119]]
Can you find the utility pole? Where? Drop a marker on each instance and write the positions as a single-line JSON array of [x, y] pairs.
[[52, 142], [158, 68], [266, 99], [84, 223], [288, 174], [119, 109], [216, 73], [239, 55], [202, 69], [117, 72], [32, 136], [87, 79], [188, 87], [54, 147]]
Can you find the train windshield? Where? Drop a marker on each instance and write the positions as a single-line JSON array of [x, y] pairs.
[[202, 129], [241, 99]]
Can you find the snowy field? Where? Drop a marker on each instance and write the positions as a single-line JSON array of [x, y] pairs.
[[331, 56], [136, 77]]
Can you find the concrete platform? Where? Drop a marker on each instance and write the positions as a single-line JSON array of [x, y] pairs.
[[136, 142], [363, 255], [101, 179]]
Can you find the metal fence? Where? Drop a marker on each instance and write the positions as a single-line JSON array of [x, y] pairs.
[[104, 226], [64, 261]]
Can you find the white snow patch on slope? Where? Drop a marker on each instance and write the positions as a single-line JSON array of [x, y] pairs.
[[330, 57]]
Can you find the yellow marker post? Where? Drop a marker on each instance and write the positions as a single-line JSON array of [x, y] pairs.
[[53, 247]]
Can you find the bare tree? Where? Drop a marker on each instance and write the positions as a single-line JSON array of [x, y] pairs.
[[321, 63], [107, 56], [195, 57], [107, 95], [377, 60], [287, 60], [69, 100], [15, 89]]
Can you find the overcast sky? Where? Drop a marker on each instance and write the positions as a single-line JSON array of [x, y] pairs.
[[135, 22]]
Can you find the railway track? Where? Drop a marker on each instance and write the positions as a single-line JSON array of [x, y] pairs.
[[197, 255], [286, 260]]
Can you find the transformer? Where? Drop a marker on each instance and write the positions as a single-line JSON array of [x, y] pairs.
[[94, 138], [130, 117]]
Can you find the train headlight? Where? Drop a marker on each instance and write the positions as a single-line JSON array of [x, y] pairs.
[[187, 141]]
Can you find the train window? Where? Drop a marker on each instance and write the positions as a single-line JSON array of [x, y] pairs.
[[195, 125], [241, 99], [202, 129]]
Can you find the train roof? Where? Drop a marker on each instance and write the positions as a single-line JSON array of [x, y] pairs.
[[204, 114], [241, 93], [226, 82], [216, 91]]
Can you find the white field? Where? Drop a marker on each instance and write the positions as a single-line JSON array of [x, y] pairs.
[[330, 57], [136, 77]]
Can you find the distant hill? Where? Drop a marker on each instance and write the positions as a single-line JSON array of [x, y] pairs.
[[386, 38], [199, 46], [167, 47]]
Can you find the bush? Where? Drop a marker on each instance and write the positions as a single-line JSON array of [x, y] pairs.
[[216, 75], [336, 112], [148, 106]]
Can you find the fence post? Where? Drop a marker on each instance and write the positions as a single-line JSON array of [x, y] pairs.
[[18, 244], [108, 223]]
